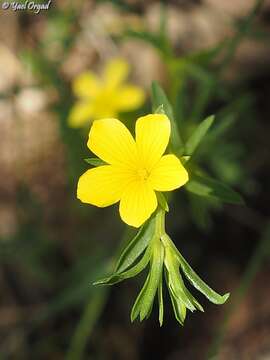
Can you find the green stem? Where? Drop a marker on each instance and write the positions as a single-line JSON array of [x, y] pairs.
[[160, 223], [86, 325]]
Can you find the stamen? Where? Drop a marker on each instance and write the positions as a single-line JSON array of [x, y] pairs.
[[142, 174]]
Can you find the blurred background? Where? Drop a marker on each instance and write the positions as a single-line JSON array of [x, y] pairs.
[[211, 56]]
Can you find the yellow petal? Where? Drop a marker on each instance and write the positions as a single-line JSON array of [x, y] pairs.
[[129, 98], [80, 114], [115, 72], [168, 174], [102, 186], [86, 85], [152, 137], [137, 203], [111, 141]]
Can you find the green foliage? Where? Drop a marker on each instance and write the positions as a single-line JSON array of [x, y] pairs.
[[136, 246], [207, 187], [95, 161], [198, 184], [197, 136], [195, 280], [133, 271], [144, 302], [160, 302], [162, 256]]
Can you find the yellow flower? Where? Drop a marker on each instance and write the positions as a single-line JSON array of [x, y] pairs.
[[105, 96], [135, 170]]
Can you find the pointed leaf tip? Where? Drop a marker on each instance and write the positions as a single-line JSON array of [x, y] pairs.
[[225, 297], [196, 281], [95, 161], [198, 135]]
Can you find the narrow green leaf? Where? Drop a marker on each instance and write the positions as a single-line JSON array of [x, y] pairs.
[[95, 161], [177, 288], [160, 302], [206, 56], [187, 293], [159, 98], [193, 300], [205, 186], [144, 301], [137, 305], [223, 123], [179, 311], [149, 311], [175, 282], [178, 307], [154, 279], [195, 280], [136, 246], [198, 135], [136, 269]]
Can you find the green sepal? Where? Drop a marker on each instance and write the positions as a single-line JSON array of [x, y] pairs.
[[197, 136], [95, 161], [162, 201], [208, 187], [184, 159], [160, 110], [195, 280], [160, 101]]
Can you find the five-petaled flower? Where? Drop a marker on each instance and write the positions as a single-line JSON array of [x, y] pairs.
[[105, 96], [136, 170]]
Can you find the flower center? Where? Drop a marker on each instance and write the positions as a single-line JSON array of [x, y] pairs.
[[142, 174]]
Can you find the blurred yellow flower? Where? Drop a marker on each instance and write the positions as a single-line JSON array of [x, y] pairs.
[[105, 96], [135, 169]]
